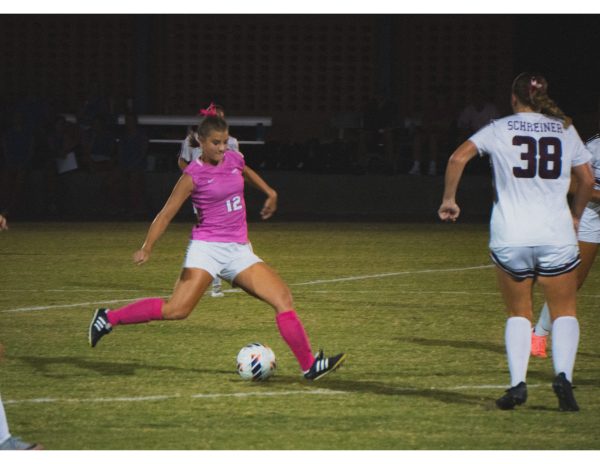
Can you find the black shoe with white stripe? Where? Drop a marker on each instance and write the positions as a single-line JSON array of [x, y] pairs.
[[323, 366], [99, 327]]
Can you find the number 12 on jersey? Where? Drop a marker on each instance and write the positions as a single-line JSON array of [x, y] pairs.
[[235, 204]]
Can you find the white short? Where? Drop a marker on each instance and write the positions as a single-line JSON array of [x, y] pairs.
[[225, 260], [526, 262], [589, 227]]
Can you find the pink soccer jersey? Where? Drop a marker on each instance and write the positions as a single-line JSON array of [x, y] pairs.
[[218, 196]]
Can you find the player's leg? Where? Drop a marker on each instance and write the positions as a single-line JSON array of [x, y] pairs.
[[199, 268], [588, 252], [262, 282], [560, 292], [543, 327], [7, 441], [4, 432], [217, 288], [190, 287], [518, 301], [516, 289], [589, 237]]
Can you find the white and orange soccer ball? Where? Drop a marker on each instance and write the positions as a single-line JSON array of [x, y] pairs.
[[256, 362]]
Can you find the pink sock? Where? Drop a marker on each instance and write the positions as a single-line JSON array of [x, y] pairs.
[[146, 310], [293, 333]]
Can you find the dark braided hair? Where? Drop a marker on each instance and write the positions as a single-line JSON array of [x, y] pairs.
[[531, 89]]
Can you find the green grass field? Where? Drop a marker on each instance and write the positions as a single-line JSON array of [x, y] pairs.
[[415, 306]]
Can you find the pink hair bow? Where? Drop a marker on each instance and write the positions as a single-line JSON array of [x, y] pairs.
[[534, 85], [210, 111]]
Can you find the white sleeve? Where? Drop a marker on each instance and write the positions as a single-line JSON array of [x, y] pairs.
[[232, 144], [483, 139], [185, 153], [581, 155]]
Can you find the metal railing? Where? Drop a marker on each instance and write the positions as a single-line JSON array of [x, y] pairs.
[[258, 122]]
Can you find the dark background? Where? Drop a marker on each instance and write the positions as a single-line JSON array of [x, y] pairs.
[[318, 76], [566, 48], [300, 69]]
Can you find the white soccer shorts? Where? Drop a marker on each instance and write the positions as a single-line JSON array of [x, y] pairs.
[[225, 260], [527, 262], [589, 227]]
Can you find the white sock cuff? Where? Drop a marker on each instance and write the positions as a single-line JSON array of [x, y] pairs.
[[518, 320], [565, 318]]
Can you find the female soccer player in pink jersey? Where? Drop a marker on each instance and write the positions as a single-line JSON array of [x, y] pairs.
[[219, 246], [532, 229], [190, 151]]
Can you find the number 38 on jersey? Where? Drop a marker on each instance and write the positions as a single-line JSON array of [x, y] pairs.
[[542, 157]]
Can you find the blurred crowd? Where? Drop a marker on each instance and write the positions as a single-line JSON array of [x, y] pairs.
[[379, 139], [37, 137]]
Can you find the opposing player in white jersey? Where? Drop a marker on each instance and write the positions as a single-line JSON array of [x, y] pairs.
[[532, 231], [190, 151], [7, 441], [588, 237]]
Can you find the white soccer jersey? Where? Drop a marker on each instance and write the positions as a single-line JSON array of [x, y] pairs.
[[593, 145], [189, 154], [532, 155]]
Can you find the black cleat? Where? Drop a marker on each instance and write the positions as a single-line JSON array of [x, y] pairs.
[[514, 396], [564, 391], [99, 327], [323, 366]]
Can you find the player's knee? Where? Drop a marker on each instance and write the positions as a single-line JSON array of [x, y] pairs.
[[285, 300], [176, 312]]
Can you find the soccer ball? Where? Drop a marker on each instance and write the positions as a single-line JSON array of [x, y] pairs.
[[256, 361]]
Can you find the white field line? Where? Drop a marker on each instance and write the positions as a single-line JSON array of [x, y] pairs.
[[208, 396], [127, 399], [72, 289], [312, 282], [392, 274]]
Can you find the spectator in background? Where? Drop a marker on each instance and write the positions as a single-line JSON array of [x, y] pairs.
[[95, 104], [63, 143], [379, 115], [432, 135], [99, 145], [132, 163], [479, 112], [17, 147], [99, 148]]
